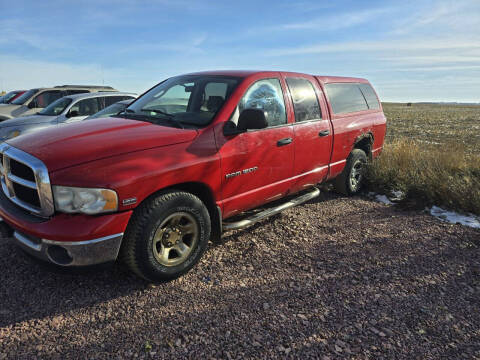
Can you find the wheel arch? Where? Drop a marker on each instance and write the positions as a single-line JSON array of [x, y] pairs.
[[206, 195], [364, 142]]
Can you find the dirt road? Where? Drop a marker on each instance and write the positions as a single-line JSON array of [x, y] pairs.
[[334, 278]]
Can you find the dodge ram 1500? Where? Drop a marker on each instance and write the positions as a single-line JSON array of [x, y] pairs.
[[154, 183]]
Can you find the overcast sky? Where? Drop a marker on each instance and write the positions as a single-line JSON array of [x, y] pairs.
[[410, 50]]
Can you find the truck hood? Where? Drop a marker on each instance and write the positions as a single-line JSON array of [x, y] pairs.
[[84, 141], [26, 120]]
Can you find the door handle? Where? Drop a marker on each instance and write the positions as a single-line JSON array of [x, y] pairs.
[[324, 133], [284, 142]]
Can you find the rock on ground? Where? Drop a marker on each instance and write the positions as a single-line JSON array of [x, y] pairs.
[[334, 278]]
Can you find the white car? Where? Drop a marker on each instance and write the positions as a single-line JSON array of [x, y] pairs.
[[35, 100], [62, 111]]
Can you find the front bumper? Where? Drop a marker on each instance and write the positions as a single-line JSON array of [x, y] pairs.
[[68, 253], [67, 239]]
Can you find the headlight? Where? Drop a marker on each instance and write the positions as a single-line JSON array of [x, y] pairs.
[[13, 134], [84, 200], [9, 135]]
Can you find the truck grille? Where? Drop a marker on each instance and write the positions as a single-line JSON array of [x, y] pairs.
[[25, 181]]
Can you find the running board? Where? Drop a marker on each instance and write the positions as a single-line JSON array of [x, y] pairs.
[[270, 212]]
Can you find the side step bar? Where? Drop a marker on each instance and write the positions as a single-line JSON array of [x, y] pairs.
[[272, 211]]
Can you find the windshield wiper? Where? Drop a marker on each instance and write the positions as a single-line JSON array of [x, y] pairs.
[[158, 111], [175, 123], [169, 117], [152, 119]]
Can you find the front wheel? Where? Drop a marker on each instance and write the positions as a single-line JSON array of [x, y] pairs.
[[166, 236], [351, 180]]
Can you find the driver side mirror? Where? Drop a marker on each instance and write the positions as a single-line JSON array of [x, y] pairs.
[[32, 104], [250, 119]]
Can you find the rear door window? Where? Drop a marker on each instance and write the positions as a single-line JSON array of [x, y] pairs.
[[109, 100], [101, 103], [345, 98], [370, 96], [305, 102]]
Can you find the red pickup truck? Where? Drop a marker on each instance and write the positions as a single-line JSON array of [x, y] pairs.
[[153, 184]]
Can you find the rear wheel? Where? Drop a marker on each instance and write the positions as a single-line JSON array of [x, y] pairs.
[[351, 180], [166, 236]]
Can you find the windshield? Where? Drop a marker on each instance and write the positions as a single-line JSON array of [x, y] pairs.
[[24, 97], [108, 111], [5, 98], [56, 108], [188, 99]]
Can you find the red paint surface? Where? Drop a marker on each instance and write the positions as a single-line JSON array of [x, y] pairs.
[[66, 227]]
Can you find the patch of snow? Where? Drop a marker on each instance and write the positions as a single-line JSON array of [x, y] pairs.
[[383, 199], [443, 215], [398, 195], [379, 198], [455, 218]]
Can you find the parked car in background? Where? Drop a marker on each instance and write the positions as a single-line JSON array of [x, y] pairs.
[[10, 96], [67, 109], [111, 110], [35, 100], [185, 161]]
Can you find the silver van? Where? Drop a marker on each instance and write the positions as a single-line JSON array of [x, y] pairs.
[[62, 111]]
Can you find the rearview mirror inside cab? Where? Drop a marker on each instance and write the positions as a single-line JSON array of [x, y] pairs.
[[250, 119]]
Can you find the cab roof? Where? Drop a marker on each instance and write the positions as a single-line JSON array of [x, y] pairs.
[[246, 73]]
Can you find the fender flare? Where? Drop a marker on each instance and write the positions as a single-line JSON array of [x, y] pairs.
[[364, 142]]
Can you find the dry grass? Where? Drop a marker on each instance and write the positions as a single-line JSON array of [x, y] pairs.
[[431, 154]]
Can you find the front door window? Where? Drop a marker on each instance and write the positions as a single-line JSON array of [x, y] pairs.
[[267, 95]]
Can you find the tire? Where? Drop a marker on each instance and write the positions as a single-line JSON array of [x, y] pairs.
[[352, 178], [166, 236]]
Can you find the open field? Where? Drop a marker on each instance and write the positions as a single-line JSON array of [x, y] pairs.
[[337, 277], [435, 125], [432, 154]]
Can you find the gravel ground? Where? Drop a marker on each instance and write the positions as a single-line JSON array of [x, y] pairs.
[[334, 278]]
